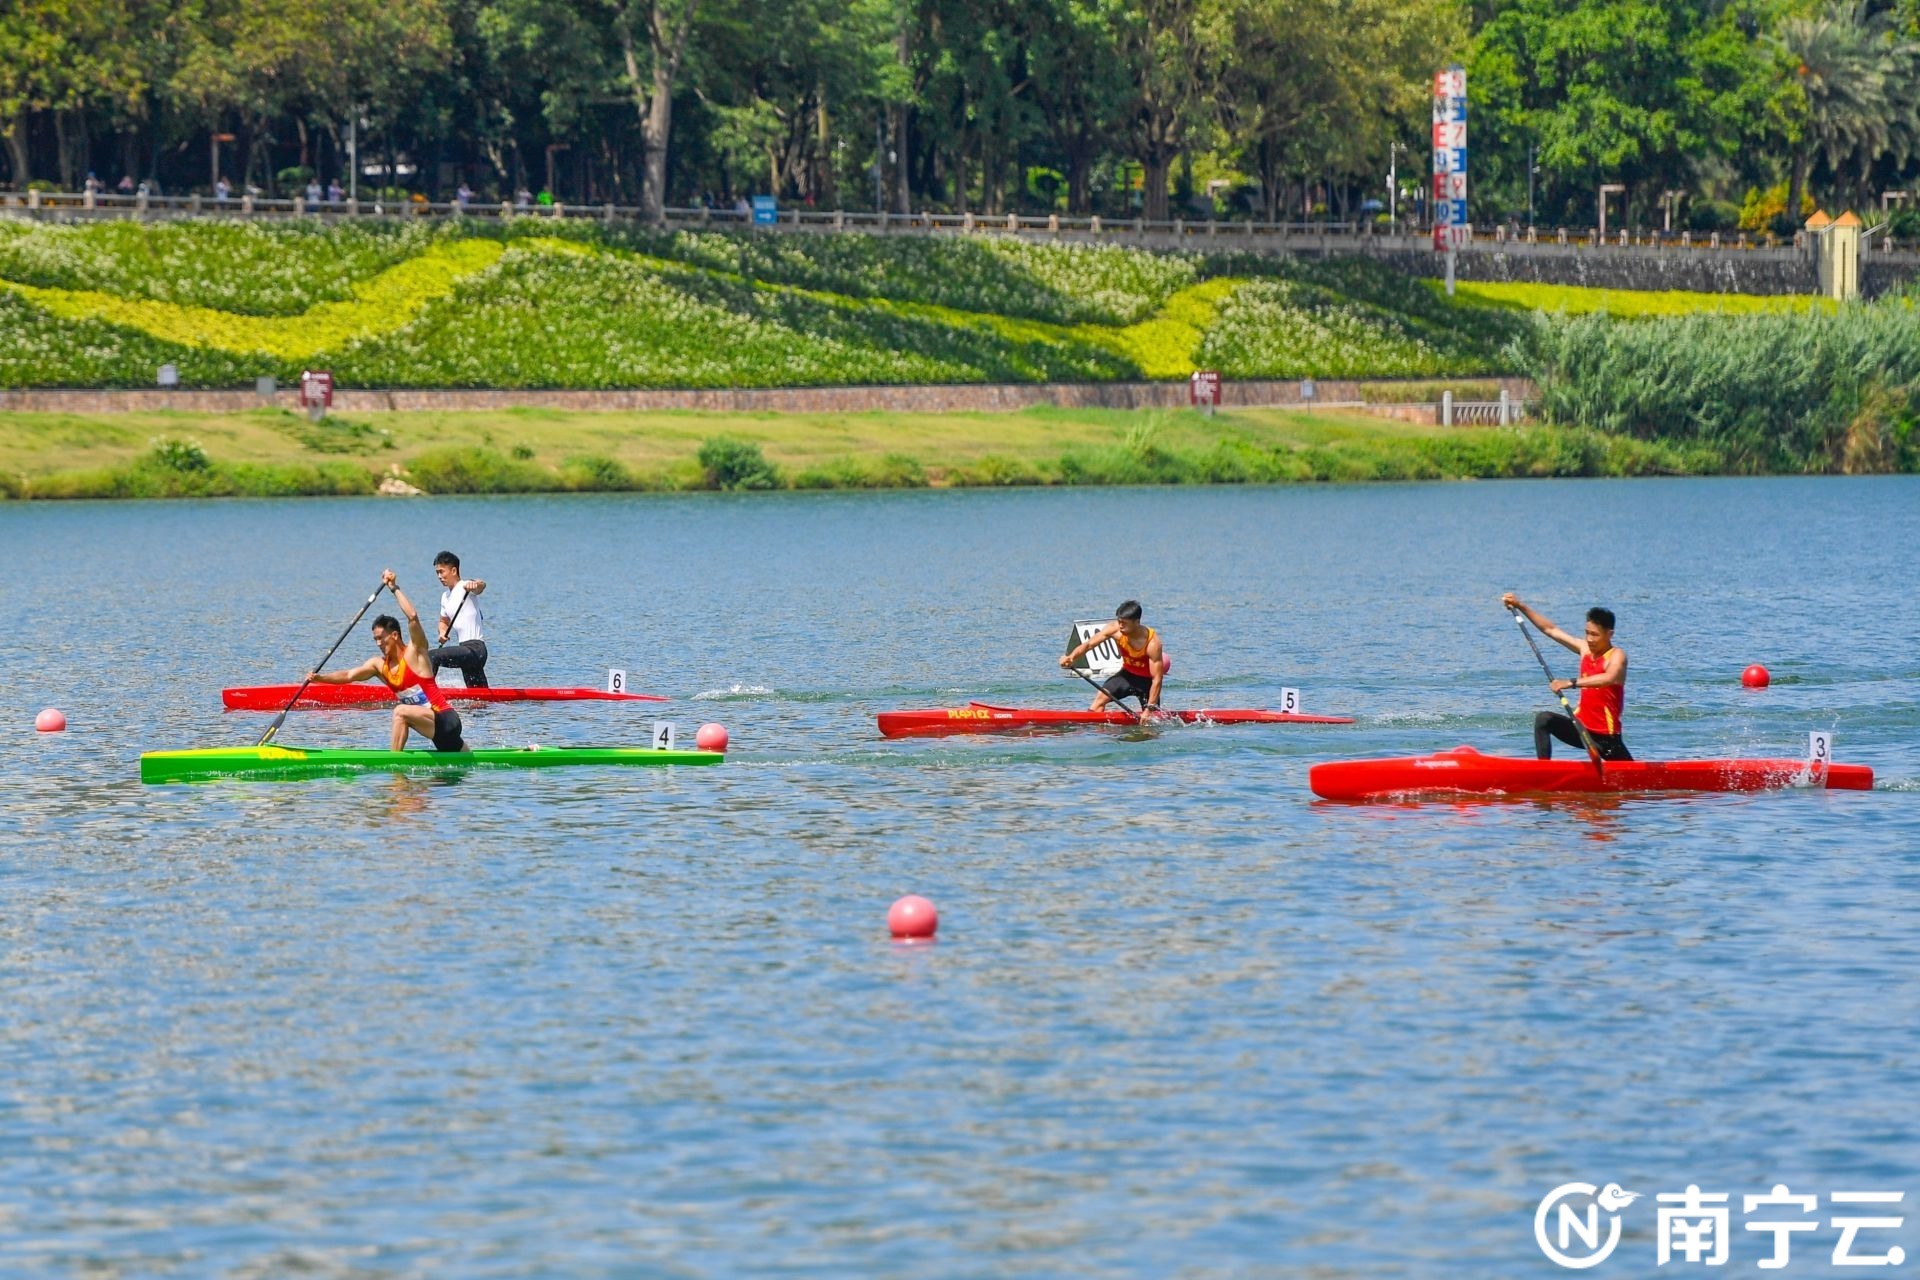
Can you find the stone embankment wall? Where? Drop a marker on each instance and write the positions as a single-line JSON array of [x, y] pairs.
[[910, 399], [1698, 270], [1761, 271]]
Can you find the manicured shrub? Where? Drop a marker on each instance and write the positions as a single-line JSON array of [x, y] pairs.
[[729, 463]]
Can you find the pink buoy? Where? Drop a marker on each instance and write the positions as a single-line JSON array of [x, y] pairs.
[[712, 737], [912, 917], [50, 721], [1755, 677]]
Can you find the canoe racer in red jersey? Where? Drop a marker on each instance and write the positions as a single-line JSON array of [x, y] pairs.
[[405, 668], [1602, 685], [1143, 665]]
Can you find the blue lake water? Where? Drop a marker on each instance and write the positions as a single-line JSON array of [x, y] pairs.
[[1181, 1018]]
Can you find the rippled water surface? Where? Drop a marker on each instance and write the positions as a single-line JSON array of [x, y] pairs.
[[1181, 1019]]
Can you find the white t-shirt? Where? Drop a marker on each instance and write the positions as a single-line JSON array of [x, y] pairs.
[[467, 626]]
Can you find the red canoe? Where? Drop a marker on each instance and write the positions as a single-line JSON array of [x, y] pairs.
[[1464, 771], [272, 697], [981, 717]]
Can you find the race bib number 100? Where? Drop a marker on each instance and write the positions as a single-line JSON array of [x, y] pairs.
[[1103, 659]]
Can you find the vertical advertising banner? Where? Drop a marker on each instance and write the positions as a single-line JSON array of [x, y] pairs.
[[1450, 229]]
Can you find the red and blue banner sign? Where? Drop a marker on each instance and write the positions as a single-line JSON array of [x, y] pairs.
[[1450, 227]]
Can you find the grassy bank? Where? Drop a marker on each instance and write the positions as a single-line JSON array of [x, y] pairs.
[[270, 453]]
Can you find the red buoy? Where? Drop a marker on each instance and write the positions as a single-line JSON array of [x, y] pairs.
[[1755, 677], [712, 737], [912, 917], [50, 721]]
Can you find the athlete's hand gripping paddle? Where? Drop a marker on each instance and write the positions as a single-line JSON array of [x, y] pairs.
[[278, 720], [1586, 739], [1137, 719]]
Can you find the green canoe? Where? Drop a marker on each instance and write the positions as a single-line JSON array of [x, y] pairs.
[[305, 762]]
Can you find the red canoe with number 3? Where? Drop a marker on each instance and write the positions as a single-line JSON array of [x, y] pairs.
[[1465, 772], [982, 717], [320, 697]]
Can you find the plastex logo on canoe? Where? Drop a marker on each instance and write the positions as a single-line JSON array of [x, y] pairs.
[[1578, 1226]]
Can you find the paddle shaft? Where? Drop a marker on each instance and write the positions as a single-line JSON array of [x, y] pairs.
[[456, 616], [280, 719], [1137, 719], [1586, 739]]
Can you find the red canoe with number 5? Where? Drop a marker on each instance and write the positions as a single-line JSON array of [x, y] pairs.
[[319, 697], [982, 717], [1465, 772]]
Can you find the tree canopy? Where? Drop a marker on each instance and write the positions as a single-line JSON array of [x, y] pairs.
[[1154, 108]]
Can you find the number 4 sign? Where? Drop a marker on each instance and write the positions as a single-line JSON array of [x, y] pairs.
[[663, 735]]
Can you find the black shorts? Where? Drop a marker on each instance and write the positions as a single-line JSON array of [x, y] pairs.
[[1125, 684], [1548, 725], [446, 731], [469, 658]]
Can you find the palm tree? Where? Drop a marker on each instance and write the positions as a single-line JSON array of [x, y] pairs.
[[1858, 76]]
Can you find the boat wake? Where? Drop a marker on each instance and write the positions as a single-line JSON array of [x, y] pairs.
[[733, 693]]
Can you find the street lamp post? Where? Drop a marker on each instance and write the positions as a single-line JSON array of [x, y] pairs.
[[1672, 198], [1532, 168], [1606, 189], [1393, 186]]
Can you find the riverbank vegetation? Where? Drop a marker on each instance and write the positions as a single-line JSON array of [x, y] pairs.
[[271, 453], [538, 304], [535, 303], [1825, 391]]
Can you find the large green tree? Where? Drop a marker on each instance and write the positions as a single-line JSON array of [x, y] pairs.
[[1640, 92]]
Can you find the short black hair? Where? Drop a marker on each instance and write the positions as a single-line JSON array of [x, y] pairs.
[[1602, 616], [1129, 611], [387, 622], [449, 559]]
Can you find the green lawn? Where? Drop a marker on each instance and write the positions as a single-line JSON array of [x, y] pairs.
[[272, 452]]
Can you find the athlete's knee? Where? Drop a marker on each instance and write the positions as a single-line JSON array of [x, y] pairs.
[[1544, 720]]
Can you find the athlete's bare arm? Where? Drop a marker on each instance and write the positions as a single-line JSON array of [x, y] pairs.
[[347, 675], [416, 634], [1544, 625]]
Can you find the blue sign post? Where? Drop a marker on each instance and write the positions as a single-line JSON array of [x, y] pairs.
[[766, 211]]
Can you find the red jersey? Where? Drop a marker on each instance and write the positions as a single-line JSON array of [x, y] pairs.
[[1134, 661], [1600, 707], [429, 690]]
